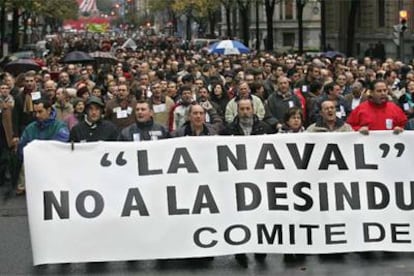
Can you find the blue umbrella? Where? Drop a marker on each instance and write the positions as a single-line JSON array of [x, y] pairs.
[[333, 54], [228, 47]]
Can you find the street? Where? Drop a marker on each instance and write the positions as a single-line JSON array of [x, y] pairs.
[[16, 258]]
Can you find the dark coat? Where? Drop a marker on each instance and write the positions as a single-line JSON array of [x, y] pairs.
[[259, 127], [145, 131], [101, 131]]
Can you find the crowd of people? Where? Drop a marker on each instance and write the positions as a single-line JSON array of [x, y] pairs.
[[161, 90]]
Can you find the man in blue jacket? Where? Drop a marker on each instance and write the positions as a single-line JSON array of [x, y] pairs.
[[45, 127]]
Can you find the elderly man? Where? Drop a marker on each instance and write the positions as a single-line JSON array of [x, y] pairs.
[[144, 128], [244, 93], [49, 90], [246, 123]]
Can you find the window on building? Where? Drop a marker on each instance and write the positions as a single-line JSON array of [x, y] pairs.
[[381, 13], [281, 6], [288, 39], [288, 9]]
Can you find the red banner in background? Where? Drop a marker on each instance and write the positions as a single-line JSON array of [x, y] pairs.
[[83, 23]]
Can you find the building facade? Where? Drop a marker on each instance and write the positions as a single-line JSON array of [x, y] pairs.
[[285, 25], [374, 21]]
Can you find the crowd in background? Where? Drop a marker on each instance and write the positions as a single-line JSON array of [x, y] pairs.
[[161, 88]]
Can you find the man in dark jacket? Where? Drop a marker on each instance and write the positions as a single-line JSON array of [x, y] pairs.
[[144, 128], [247, 123], [94, 128]]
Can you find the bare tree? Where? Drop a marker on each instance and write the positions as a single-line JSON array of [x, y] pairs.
[[228, 5], [351, 26], [244, 8], [270, 9]]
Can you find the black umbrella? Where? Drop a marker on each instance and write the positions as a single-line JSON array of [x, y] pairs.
[[19, 66], [77, 57], [104, 57]]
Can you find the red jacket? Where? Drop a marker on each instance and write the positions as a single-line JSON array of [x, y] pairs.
[[375, 116]]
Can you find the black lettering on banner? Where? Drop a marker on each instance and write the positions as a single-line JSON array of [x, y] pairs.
[[352, 199], [395, 232], [50, 202], [329, 233], [270, 238], [292, 235], [172, 203], [373, 204], [120, 161], [298, 191], [187, 164], [273, 196], [262, 161], [143, 168], [134, 196], [399, 195], [197, 241], [309, 228], [246, 231], [301, 162], [332, 150], [323, 196], [360, 164], [400, 147], [239, 161], [241, 189], [371, 225], [80, 204], [210, 204]]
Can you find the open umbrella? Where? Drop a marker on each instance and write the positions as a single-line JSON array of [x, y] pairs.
[[77, 57], [19, 66], [228, 47], [104, 57]]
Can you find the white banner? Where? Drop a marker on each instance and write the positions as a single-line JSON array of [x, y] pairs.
[[206, 196]]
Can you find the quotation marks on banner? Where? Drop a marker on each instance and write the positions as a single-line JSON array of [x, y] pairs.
[[120, 161], [386, 149]]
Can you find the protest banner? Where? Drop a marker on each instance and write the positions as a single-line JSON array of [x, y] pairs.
[[209, 196]]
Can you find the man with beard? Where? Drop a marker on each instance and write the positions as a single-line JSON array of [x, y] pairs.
[[378, 113], [246, 123], [93, 128]]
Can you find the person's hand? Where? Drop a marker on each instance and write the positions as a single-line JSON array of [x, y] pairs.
[[278, 127], [397, 130], [364, 130]]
